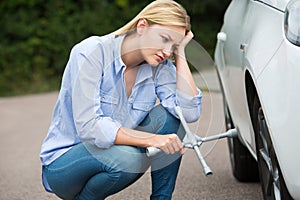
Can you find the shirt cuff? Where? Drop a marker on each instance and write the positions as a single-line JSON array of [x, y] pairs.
[[185, 100], [108, 129]]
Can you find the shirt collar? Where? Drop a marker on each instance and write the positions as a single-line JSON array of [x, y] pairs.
[[116, 45]]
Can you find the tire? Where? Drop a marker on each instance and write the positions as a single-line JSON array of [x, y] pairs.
[[272, 181], [244, 166]]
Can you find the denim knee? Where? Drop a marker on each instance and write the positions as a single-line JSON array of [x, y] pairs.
[[160, 121], [121, 158]]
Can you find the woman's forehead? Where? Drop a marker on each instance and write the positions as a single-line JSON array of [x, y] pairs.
[[175, 32]]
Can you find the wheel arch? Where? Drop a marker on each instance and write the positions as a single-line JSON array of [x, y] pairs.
[[251, 92]]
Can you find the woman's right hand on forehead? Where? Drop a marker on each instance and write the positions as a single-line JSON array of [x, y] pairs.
[[188, 37], [184, 42]]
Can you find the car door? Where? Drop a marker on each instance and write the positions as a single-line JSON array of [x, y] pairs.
[[236, 27], [253, 30]]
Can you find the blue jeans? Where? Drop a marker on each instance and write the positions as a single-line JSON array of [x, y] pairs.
[[88, 172]]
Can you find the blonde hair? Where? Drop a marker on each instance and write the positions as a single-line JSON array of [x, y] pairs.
[[162, 12]]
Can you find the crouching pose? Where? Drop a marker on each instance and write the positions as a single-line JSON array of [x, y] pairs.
[[117, 97]]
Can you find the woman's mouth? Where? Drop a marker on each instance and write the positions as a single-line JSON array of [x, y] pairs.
[[159, 58]]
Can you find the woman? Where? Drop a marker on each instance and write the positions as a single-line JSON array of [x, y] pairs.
[[105, 115]]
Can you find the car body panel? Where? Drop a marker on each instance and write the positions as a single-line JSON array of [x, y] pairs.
[[237, 60], [279, 4], [256, 44], [281, 101]]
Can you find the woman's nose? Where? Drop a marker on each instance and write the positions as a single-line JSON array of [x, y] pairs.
[[167, 51]]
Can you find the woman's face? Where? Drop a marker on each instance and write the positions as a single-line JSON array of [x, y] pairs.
[[158, 42]]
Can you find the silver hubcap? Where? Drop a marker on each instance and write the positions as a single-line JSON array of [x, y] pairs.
[[268, 165]]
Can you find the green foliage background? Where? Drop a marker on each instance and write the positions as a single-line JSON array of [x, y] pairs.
[[37, 35]]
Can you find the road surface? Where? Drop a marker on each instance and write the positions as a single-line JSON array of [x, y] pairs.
[[24, 123]]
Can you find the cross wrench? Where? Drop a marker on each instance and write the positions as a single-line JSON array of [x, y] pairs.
[[194, 142]]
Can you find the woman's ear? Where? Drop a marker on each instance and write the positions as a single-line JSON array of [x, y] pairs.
[[141, 25]]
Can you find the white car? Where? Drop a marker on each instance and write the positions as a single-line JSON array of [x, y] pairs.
[[257, 58]]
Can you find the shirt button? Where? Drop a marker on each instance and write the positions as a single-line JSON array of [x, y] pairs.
[[130, 100], [147, 107]]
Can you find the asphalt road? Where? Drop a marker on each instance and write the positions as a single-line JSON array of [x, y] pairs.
[[24, 123]]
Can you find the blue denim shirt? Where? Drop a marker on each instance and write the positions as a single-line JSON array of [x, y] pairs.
[[92, 103]]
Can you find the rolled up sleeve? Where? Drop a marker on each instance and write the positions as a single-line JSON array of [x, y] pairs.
[[170, 96], [191, 105]]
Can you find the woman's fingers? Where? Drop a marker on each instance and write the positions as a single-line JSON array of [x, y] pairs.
[[188, 37], [170, 144], [179, 50], [179, 144], [189, 34]]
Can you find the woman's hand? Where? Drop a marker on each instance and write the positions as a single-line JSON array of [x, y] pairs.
[[168, 143], [184, 79], [184, 42], [188, 37]]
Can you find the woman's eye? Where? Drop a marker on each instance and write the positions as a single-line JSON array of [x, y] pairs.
[[165, 39]]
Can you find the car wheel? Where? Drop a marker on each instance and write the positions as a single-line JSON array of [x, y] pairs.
[[272, 182], [244, 166]]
